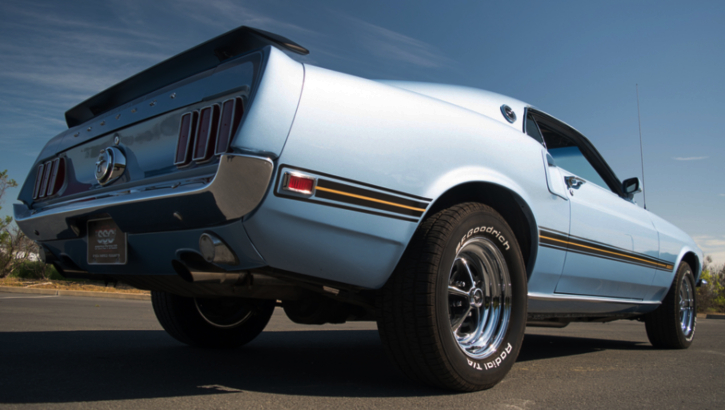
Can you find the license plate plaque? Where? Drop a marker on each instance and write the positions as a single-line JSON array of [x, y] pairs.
[[107, 244]]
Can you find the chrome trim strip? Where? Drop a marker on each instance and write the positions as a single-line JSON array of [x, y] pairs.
[[560, 297]]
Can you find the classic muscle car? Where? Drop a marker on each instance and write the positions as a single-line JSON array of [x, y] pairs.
[[232, 178]]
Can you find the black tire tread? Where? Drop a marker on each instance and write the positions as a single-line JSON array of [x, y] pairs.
[[181, 320], [404, 307], [663, 325]]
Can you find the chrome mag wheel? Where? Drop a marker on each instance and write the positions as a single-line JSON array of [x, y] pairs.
[[687, 306], [479, 298]]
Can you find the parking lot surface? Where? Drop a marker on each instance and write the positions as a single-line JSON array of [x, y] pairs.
[[72, 352]]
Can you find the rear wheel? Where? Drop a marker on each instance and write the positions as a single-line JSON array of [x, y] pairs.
[[215, 323], [454, 312], [672, 325]]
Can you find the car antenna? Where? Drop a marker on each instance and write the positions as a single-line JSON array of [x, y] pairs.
[[641, 152]]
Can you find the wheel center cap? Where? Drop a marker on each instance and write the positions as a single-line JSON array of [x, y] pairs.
[[475, 298]]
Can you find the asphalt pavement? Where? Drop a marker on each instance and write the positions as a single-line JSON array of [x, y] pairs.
[[78, 352]]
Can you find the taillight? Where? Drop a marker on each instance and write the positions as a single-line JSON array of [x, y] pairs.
[[46, 175], [49, 178], [301, 184], [232, 111], [57, 176], [187, 128], [207, 132], [38, 180]]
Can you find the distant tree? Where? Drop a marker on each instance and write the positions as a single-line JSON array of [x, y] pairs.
[[16, 249], [711, 296], [7, 238]]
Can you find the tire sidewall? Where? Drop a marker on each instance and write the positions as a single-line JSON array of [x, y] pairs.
[[489, 370]]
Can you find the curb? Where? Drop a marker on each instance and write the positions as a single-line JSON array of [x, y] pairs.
[[715, 316], [82, 293]]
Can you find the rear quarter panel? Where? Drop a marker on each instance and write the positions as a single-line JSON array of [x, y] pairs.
[[371, 134]]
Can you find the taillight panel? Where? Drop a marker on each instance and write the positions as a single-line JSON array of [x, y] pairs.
[[49, 178], [207, 132]]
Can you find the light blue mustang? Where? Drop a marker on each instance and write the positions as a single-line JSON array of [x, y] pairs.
[[231, 176]]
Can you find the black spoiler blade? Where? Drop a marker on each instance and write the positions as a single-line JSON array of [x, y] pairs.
[[195, 60]]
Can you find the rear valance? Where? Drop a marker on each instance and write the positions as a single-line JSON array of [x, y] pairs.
[[203, 57]]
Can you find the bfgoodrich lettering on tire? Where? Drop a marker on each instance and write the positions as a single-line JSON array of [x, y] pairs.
[[453, 313]]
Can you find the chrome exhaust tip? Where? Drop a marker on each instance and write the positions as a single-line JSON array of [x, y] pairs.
[[214, 250]]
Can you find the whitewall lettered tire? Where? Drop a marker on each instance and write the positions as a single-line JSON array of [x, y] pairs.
[[453, 314]]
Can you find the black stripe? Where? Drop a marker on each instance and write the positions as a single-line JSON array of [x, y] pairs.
[[610, 257], [553, 232], [552, 246], [324, 183], [368, 204], [354, 182], [348, 208]]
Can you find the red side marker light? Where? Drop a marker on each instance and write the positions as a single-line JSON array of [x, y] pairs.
[[300, 184]]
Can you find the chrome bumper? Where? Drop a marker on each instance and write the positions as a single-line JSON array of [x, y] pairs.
[[237, 188]]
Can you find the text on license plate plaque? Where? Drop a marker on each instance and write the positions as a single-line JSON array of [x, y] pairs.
[[106, 243]]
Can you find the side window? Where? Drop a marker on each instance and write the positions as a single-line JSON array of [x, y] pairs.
[[571, 159], [568, 156], [532, 130]]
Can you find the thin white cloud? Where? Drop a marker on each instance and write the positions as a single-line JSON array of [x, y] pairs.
[[712, 245], [223, 15], [688, 158], [721, 195], [391, 45]]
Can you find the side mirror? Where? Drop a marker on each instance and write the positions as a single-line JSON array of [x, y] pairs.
[[631, 186]]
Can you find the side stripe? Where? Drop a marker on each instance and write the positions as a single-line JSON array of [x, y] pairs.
[[338, 194], [319, 188], [558, 240]]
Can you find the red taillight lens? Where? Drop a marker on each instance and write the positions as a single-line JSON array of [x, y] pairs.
[[186, 138], [207, 134], [299, 183]]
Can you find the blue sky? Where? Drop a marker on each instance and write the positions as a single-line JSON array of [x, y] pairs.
[[578, 61]]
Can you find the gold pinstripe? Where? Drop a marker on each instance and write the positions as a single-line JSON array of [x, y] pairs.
[[334, 191]]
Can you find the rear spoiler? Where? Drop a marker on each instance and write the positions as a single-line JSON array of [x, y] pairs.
[[195, 60]]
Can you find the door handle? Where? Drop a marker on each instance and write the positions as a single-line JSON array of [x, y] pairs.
[[574, 182]]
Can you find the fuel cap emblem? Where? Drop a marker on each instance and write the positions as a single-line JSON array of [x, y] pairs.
[[110, 165]]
